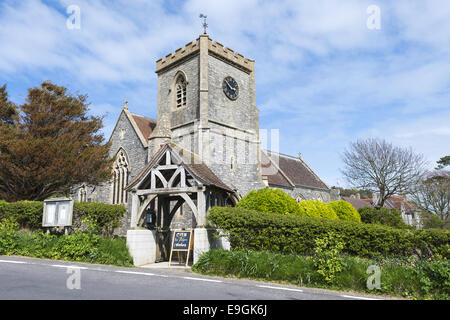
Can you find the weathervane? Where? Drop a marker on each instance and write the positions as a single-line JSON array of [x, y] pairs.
[[204, 24]]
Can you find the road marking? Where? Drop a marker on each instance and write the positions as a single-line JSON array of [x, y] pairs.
[[355, 297], [12, 261], [281, 288], [201, 279], [134, 272], [67, 266]]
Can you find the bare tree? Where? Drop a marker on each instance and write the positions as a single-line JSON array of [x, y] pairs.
[[378, 166], [432, 194]]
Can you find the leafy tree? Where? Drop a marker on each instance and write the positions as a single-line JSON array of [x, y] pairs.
[[381, 167], [8, 111], [432, 195], [51, 145], [443, 162]]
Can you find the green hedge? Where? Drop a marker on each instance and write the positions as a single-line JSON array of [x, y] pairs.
[[103, 217], [383, 216], [291, 234], [269, 200], [345, 211]]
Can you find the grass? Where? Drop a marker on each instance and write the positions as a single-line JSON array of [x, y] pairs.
[[79, 247], [398, 277]]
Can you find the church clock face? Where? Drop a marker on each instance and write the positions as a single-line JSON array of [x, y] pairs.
[[230, 88]]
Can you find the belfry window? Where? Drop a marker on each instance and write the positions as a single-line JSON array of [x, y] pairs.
[[120, 178], [180, 87]]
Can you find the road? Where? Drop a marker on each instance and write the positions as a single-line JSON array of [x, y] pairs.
[[36, 279]]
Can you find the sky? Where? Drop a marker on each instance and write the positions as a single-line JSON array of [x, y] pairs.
[[327, 72]]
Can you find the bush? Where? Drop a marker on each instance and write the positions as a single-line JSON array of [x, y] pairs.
[[74, 247], [102, 218], [383, 216], [327, 258], [293, 234], [317, 209], [345, 211], [269, 200], [28, 214]]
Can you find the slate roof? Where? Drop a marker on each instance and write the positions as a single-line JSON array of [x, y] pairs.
[[293, 172], [358, 203]]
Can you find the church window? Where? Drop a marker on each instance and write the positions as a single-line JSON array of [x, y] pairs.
[[120, 178], [180, 88]]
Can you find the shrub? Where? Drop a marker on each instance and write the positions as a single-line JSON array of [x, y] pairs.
[[383, 216], [293, 234], [327, 258], [103, 218], [317, 209], [345, 211], [269, 200]]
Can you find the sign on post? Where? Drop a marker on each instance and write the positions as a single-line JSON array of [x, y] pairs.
[[181, 241], [57, 212]]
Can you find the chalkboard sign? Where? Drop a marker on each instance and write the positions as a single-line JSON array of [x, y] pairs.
[[181, 241]]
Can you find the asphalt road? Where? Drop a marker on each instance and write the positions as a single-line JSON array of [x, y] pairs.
[[36, 279]]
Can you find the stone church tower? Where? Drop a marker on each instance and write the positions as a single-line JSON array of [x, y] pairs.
[[206, 104]]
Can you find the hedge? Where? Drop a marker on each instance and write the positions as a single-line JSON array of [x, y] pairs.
[[249, 229], [103, 217], [269, 200], [392, 218]]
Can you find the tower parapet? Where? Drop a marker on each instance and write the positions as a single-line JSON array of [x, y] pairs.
[[214, 48]]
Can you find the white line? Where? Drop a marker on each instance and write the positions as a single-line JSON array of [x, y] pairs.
[[63, 266], [355, 297], [12, 261], [201, 279], [280, 288], [134, 272]]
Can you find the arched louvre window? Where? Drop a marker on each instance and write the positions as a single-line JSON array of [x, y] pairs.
[[180, 87], [120, 178]]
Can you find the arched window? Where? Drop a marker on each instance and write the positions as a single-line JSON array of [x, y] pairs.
[[180, 90], [300, 197], [120, 178]]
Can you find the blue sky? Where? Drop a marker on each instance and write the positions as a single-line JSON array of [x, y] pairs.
[[322, 77]]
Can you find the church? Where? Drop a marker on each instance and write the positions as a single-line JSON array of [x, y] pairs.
[[203, 150]]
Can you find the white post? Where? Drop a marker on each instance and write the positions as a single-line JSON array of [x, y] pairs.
[[134, 209]]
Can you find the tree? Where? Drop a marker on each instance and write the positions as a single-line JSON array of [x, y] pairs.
[[8, 111], [51, 145], [432, 194], [378, 166], [443, 162]]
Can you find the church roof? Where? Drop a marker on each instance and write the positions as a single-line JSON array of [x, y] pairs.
[[292, 172], [145, 125]]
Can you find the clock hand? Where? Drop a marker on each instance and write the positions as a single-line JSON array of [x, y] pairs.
[[230, 86]]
